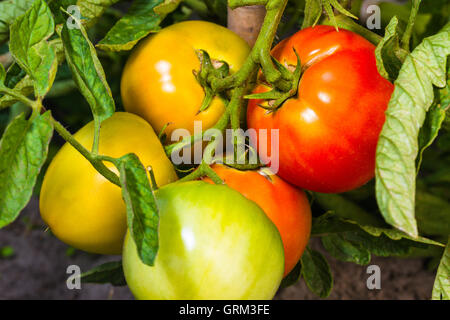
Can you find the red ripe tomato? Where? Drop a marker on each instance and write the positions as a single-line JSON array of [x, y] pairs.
[[327, 133], [285, 205]]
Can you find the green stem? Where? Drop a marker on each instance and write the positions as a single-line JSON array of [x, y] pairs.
[[235, 106], [96, 142], [347, 23], [260, 53], [210, 173], [409, 28], [96, 161], [186, 141], [203, 170], [152, 178], [13, 93], [263, 44]]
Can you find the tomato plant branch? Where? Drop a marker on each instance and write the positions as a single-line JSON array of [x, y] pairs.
[[17, 95], [95, 160], [344, 22], [260, 54], [96, 137], [189, 140], [238, 82], [203, 170]]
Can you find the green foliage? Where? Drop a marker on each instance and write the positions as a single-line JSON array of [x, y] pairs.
[[87, 72], [110, 272], [2, 74], [441, 288], [142, 212], [143, 18], [347, 240], [432, 214], [398, 146], [389, 55], [23, 150], [30, 49], [9, 11], [313, 11], [343, 249], [434, 119], [293, 276], [317, 273], [18, 80], [91, 10]]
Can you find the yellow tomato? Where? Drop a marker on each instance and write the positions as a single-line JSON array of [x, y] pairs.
[[158, 83], [80, 206]]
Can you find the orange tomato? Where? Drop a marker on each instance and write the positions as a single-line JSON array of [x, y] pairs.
[[285, 205]]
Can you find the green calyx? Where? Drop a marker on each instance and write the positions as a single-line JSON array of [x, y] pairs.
[[277, 96], [209, 69]]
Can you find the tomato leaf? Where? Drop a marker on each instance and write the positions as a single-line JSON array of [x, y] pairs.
[[382, 245], [166, 7], [432, 213], [313, 11], [344, 250], [441, 287], [140, 20], [317, 273], [293, 276], [87, 71], [93, 9], [30, 49], [109, 272], [389, 56], [398, 146], [142, 211], [55, 6], [23, 150], [331, 223], [9, 11], [434, 120], [18, 80]]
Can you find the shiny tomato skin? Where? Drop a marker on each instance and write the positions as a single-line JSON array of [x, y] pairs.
[[158, 81], [286, 206], [329, 132], [213, 244], [80, 206]]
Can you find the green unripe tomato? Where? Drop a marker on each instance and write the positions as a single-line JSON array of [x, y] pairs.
[[214, 244]]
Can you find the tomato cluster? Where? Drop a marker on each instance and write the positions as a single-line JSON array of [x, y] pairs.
[[238, 240]]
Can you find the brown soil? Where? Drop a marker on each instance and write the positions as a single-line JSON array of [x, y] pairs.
[[38, 270]]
